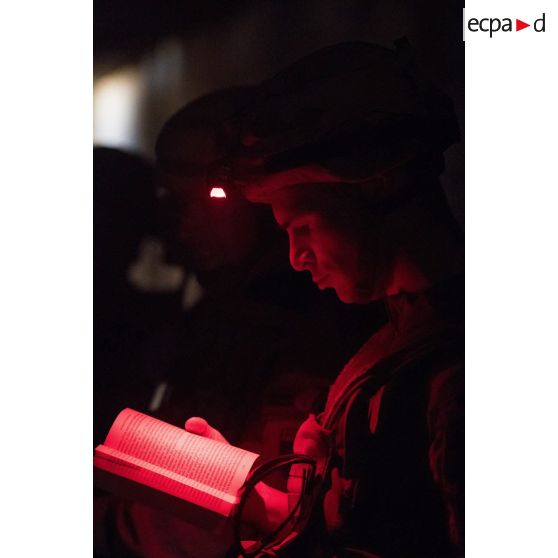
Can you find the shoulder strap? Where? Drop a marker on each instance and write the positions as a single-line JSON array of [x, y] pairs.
[[430, 347]]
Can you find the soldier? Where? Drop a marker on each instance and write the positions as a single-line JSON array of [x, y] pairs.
[[347, 148]]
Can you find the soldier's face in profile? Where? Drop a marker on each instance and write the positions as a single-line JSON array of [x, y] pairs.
[[331, 250]]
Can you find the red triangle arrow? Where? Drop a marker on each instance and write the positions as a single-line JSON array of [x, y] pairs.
[[519, 25]]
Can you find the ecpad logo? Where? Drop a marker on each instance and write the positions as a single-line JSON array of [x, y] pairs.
[[493, 25]]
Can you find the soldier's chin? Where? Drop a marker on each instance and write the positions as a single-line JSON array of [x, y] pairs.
[[353, 295]]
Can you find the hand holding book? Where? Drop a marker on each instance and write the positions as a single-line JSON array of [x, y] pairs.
[[268, 506], [199, 426], [146, 459], [194, 473]]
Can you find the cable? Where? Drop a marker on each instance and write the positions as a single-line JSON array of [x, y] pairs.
[[258, 475]]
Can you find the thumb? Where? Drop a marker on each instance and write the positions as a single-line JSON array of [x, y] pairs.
[[199, 426]]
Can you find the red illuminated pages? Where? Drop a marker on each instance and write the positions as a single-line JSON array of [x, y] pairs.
[[147, 459]]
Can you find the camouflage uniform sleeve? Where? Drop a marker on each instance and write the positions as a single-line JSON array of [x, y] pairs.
[[446, 423]]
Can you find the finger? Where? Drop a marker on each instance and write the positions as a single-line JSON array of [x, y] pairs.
[[216, 435], [197, 425]]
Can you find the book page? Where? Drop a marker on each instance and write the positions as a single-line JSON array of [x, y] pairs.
[[162, 480], [220, 467]]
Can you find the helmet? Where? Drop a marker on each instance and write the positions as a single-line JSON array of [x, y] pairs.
[[202, 131], [351, 113]]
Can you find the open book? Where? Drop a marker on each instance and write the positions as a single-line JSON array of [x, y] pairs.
[[162, 465]]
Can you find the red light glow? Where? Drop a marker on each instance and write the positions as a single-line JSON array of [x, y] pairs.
[[217, 193]]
